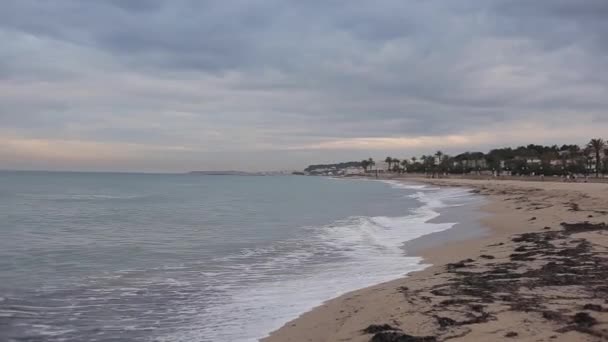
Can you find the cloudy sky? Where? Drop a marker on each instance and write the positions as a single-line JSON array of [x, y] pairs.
[[176, 85]]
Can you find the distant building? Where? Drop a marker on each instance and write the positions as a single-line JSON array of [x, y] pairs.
[[353, 171]]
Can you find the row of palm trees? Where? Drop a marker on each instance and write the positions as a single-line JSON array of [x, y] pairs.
[[573, 159]]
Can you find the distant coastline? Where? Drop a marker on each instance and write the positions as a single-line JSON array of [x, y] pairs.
[[236, 173]]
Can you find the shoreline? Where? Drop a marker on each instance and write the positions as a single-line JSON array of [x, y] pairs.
[[399, 307], [467, 218]]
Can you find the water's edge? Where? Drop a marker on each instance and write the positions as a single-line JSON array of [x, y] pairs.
[[464, 221]]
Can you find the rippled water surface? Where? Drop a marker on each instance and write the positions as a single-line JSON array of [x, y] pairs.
[[133, 257]]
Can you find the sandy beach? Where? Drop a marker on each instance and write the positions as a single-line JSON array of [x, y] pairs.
[[540, 274]]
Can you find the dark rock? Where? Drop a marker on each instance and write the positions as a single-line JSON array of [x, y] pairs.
[[511, 334], [533, 218], [485, 256]]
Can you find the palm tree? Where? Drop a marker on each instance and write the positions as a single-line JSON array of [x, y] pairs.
[[396, 164], [365, 164], [439, 156], [414, 159], [371, 162], [425, 162], [405, 164], [389, 161], [597, 145], [437, 161]]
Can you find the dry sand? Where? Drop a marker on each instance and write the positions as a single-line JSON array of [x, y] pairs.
[[531, 279]]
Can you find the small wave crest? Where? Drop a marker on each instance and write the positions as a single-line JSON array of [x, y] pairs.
[[275, 284], [79, 197]]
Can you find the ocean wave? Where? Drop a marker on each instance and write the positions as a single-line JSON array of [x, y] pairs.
[[245, 295], [296, 275]]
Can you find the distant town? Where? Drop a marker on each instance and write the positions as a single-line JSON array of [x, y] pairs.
[[565, 160]]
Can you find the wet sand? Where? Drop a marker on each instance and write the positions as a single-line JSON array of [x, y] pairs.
[[540, 273]]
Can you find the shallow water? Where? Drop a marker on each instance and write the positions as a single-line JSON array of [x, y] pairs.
[[98, 256]]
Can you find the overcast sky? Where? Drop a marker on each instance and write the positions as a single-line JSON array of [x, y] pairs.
[[176, 85]]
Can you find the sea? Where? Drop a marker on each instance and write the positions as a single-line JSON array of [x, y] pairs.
[[180, 257]]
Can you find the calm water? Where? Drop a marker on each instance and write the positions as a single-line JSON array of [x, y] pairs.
[[132, 257]]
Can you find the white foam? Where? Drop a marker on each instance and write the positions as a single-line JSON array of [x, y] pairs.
[[404, 185], [286, 281]]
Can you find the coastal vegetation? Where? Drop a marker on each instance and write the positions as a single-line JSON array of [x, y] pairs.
[[337, 166], [590, 159]]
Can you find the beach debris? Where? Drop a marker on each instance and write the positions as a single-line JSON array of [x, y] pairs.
[[561, 259], [388, 333], [403, 289], [448, 322], [583, 320], [593, 307], [455, 302], [459, 264], [552, 315], [395, 336], [583, 227], [518, 284], [376, 328], [445, 321], [476, 307], [497, 244]]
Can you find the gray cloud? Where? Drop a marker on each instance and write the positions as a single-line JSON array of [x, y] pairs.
[[271, 77]]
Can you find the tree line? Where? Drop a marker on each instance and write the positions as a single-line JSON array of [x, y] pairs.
[[591, 158]]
